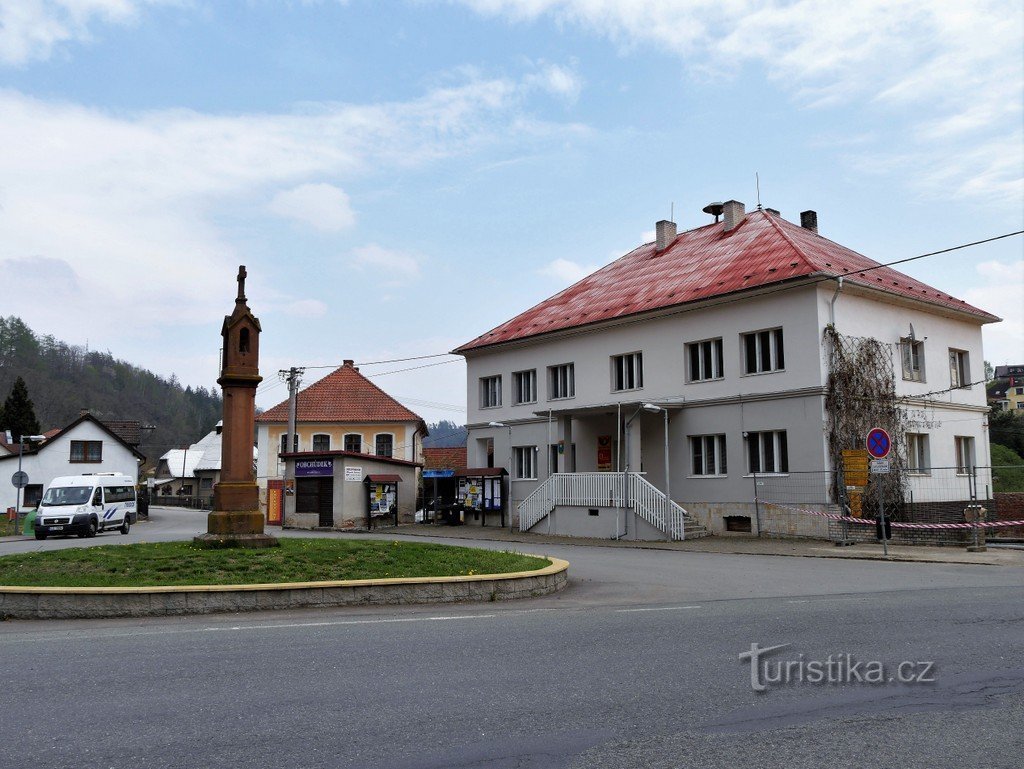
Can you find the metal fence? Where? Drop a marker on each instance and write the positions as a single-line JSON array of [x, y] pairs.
[[803, 504]]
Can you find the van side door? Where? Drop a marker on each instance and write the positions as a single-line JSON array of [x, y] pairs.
[[97, 505]]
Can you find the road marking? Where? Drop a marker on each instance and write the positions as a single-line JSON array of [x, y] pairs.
[[352, 622], [657, 608]]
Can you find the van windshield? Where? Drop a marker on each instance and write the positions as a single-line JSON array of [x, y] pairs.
[[67, 495]]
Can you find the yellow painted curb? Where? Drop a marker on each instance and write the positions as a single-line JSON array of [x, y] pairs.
[[556, 566]]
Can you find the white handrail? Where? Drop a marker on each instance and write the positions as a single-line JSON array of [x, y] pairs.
[[630, 490]]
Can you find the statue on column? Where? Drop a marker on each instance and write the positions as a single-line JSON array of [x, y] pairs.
[[236, 519]]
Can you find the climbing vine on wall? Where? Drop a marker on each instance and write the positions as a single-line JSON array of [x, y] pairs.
[[860, 393]]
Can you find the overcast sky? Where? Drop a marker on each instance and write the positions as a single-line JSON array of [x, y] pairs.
[[399, 177]]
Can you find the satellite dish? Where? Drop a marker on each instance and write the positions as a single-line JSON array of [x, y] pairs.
[[715, 209]]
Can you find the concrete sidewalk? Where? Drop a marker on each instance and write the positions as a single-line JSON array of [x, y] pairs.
[[737, 545]]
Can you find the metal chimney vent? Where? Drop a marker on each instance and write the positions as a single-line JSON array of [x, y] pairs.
[[715, 209]]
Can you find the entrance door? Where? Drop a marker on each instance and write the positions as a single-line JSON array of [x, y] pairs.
[[316, 495]]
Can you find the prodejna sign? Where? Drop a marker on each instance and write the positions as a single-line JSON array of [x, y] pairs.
[[312, 467]]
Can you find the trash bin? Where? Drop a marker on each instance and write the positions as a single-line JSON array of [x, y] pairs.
[[878, 529], [28, 528]]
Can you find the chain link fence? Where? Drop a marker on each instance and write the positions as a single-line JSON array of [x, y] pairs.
[[799, 504]]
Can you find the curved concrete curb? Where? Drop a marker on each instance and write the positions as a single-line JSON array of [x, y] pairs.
[[101, 602]]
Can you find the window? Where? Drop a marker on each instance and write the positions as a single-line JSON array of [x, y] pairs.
[[561, 381], [964, 454], [118, 494], [284, 442], [1019, 390], [86, 451], [763, 351], [186, 490], [524, 462], [354, 443], [206, 484], [708, 453], [917, 453], [490, 392], [524, 387], [767, 452], [384, 445], [912, 353], [704, 360], [959, 368], [321, 442], [627, 371], [1020, 404], [243, 340]]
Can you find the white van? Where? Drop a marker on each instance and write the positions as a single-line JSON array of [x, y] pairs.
[[87, 504]]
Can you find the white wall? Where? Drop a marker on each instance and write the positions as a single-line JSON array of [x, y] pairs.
[[53, 460]]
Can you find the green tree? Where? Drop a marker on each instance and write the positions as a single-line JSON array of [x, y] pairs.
[[1006, 428], [990, 372], [17, 414]]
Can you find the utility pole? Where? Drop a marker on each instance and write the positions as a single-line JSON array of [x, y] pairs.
[[293, 377]]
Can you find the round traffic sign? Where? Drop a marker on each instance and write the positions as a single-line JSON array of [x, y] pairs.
[[878, 443], [20, 479]]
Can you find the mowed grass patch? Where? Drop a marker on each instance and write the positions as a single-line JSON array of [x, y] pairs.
[[296, 560]]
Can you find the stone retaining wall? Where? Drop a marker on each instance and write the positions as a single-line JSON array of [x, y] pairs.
[[68, 603]]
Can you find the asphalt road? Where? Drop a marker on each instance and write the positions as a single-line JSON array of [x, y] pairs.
[[634, 665]]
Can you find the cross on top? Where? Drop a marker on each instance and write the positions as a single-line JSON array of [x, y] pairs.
[[241, 283]]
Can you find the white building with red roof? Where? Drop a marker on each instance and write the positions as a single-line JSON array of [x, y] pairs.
[[344, 411], [704, 352]]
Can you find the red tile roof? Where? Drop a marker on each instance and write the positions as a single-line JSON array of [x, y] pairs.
[[344, 395], [444, 458], [705, 263]]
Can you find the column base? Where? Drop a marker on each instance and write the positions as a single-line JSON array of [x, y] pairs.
[[252, 541], [235, 528]]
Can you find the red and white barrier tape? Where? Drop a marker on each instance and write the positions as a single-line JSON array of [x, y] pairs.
[[898, 524]]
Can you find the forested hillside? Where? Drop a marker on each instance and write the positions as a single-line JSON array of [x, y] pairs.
[[64, 379], [445, 434]]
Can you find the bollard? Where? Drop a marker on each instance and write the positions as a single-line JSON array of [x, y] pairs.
[[976, 514]]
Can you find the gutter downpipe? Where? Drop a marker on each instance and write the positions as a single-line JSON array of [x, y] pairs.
[[622, 491], [832, 302]]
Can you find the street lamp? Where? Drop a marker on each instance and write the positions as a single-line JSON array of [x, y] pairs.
[[509, 428]]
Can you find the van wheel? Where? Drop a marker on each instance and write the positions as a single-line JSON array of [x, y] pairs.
[[93, 527], [40, 535], [126, 524]]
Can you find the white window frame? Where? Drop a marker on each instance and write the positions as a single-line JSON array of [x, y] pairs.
[[561, 381], [918, 460], [709, 366], [344, 442], [524, 463], [393, 444], [776, 350], [771, 444], [490, 391], [627, 371], [312, 444], [912, 357], [524, 387], [964, 447], [708, 457], [959, 369]]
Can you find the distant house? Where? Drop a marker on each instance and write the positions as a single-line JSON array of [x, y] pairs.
[[192, 472], [344, 411], [87, 445], [1007, 388], [699, 363]]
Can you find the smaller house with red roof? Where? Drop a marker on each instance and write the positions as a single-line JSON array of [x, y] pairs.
[[658, 396], [344, 411]]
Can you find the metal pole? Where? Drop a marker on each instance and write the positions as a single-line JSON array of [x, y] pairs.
[[510, 477], [668, 485], [17, 491], [881, 512]]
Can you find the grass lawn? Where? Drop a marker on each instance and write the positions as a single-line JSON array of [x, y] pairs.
[[297, 560]]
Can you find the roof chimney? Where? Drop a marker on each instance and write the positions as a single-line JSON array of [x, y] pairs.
[[734, 212], [349, 363], [809, 220], [665, 234]]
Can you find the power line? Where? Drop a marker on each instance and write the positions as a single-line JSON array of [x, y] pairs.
[[392, 360]]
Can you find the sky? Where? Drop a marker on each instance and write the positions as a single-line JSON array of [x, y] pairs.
[[400, 176]]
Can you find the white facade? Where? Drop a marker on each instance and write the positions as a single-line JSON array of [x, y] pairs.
[[54, 458], [739, 407]]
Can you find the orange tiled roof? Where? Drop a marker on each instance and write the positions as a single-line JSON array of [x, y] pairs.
[[344, 395], [444, 458]]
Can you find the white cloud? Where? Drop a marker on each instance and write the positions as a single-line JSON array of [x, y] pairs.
[[1001, 293], [322, 206], [937, 78], [31, 29], [134, 203], [566, 271], [558, 81], [392, 266]]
